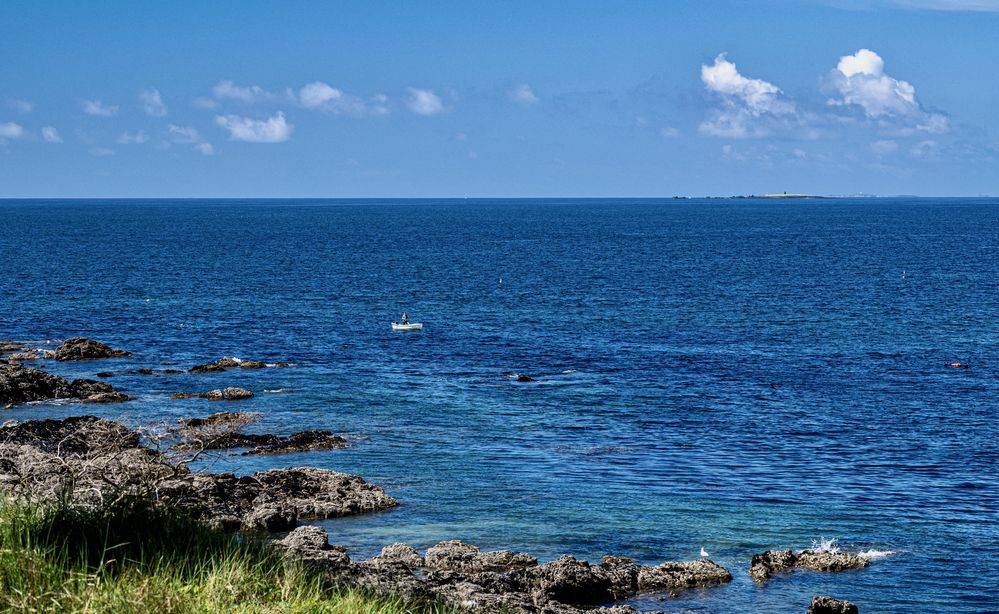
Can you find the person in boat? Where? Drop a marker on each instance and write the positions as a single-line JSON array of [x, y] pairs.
[[405, 318]]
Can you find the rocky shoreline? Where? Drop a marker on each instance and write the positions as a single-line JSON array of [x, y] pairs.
[[92, 461]]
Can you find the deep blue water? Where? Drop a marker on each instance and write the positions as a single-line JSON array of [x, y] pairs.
[[737, 375]]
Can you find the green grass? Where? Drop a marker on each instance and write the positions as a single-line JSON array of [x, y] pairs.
[[136, 559]]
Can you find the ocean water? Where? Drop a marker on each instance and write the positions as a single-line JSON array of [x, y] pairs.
[[737, 375]]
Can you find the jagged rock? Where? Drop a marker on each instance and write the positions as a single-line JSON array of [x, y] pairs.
[[622, 573], [228, 418], [20, 384], [81, 348], [764, 566], [317, 494], [311, 545], [228, 362], [570, 581], [81, 435], [829, 605], [454, 555], [185, 395], [399, 554], [298, 442], [824, 560], [673, 575], [27, 355], [252, 364], [209, 368], [108, 397], [271, 518], [231, 393]]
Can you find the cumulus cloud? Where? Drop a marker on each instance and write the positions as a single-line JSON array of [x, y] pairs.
[[523, 94], [228, 90], [21, 106], [98, 108], [859, 80], [424, 102], [745, 102], [271, 130], [51, 135], [10, 130], [133, 138], [322, 96], [152, 103]]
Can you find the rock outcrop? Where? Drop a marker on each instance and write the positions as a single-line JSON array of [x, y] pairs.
[[228, 362], [829, 605], [90, 461], [20, 385], [81, 348], [463, 576], [222, 431], [231, 393], [766, 565]]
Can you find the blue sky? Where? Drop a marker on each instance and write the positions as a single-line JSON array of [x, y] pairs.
[[369, 99]]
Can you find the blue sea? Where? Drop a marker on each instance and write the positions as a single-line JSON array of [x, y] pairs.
[[737, 375]]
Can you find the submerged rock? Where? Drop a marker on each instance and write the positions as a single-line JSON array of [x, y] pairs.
[[225, 418], [81, 348], [229, 362], [828, 605]]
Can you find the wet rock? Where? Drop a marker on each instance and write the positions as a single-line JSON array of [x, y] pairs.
[[454, 555], [225, 418], [81, 348], [20, 385], [28, 355], [209, 368], [570, 581], [252, 364], [228, 362], [298, 442], [824, 560], [231, 393], [622, 573], [170, 372], [525, 378], [674, 575], [104, 374], [764, 566], [143, 371], [108, 397], [829, 605]]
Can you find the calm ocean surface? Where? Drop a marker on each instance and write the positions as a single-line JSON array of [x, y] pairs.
[[734, 374]]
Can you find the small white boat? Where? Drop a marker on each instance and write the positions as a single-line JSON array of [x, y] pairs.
[[410, 326]]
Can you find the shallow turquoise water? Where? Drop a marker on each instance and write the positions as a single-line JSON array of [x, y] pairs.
[[737, 375]]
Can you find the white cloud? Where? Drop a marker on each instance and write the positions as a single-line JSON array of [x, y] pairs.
[[51, 135], [21, 106], [152, 103], [424, 102], [884, 147], [271, 130], [98, 108], [229, 90], [205, 149], [101, 152], [10, 130], [860, 80], [203, 102], [669, 132], [523, 94], [133, 138], [183, 134], [322, 96], [744, 102], [925, 149]]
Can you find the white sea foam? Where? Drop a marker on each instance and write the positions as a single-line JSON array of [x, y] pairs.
[[872, 554], [568, 371], [276, 390], [825, 545]]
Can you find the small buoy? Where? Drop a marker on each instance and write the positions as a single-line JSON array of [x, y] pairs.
[[704, 552]]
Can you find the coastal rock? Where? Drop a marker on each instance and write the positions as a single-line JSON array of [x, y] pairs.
[[252, 364], [454, 555], [270, 518], [104, 374], [108, 397], [20, 385], [209, 368], [622, 573], [231, 393], [26, 355], [311, 544], [225, 418], [828, 605], [674, 575], [84, 436], [81, 348], [317, 494], [825, 560], [571, 581], [229, 362], [304, 441], [764, 566], [399, 554], [525, 378]]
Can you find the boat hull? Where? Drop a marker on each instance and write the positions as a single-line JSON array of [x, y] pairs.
[[413, 326]]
